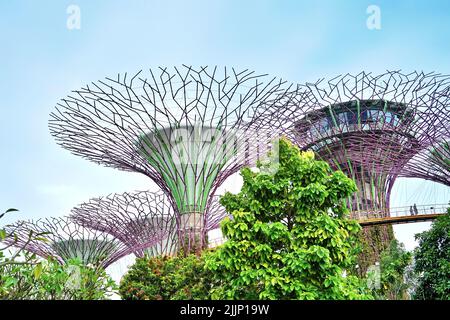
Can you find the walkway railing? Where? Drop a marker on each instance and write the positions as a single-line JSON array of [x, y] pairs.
[[401, 214], [212, 243], [392, 216], [402, 211]]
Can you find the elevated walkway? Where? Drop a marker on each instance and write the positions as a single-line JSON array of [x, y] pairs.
[[401, 215], [394, 216]]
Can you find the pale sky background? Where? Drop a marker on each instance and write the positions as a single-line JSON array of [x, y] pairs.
[[41, 61]]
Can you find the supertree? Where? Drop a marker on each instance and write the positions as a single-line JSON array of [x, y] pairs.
[[368, 126], [431, 164], [62, 239], [187, 129], [141, 219]]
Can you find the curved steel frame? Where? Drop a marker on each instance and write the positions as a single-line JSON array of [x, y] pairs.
[[187, 129], [369, 126], [141, 219], [62, 239], [432, 163]]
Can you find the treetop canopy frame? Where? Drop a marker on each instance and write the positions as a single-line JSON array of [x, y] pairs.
[[186, 128], [143, 220], [369, 126], [64, 240]]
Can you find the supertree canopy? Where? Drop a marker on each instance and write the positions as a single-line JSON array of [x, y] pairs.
[[431, 164], [142, 220], [187, 129], [368, 126], [64, 240]]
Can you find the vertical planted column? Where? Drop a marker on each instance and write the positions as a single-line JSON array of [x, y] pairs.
[[190, 159]]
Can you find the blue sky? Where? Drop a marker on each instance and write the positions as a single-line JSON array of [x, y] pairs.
[[41, 61]]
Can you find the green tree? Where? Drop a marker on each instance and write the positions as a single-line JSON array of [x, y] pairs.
[[432, 261], [166, 278], [50, 280], [289, 237]]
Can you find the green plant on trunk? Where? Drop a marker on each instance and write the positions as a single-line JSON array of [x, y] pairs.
[[374, 240], [289, 237]]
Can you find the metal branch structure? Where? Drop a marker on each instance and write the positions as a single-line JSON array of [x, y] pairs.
[[186, 128], [143, 220], [369, 126], [215, 213], [431, 164], [64, 240]]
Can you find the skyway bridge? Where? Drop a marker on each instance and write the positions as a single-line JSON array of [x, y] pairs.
[[399, 215]]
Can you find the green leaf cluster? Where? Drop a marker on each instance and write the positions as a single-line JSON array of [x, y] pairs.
[[166, 278], [432, 261], [50, 280], [289, 236]]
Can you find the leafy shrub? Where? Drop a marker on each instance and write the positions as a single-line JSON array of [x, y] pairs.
[[432, 261], [289, 237], [166, 278], [50, 280]]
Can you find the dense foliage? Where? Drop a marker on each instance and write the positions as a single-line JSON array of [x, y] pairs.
[[432, 261], [166, 278], [289, 237], [50, 280]]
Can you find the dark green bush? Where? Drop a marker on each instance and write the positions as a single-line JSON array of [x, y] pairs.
[[166, 278], [432, 261]]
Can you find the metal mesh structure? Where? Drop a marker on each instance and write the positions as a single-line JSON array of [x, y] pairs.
[[187, 129], [431, 164], [142, 220], [62, 239], [215, 214], [368, 126]]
